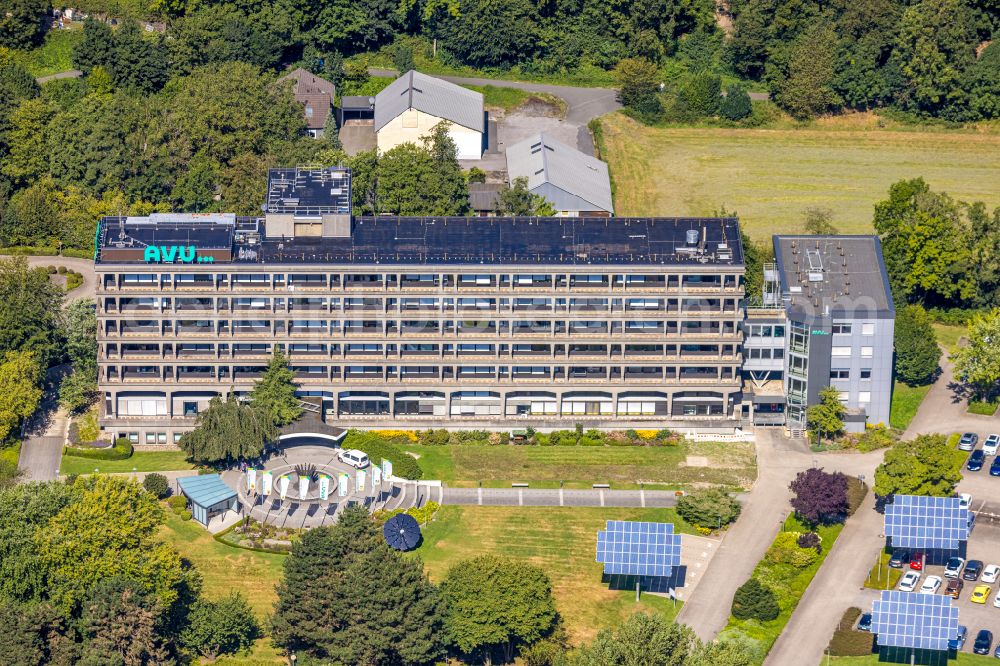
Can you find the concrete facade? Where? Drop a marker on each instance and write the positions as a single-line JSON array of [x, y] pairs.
[[412, 125]]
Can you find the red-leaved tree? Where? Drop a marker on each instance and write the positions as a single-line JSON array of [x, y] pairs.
[[820, 497]]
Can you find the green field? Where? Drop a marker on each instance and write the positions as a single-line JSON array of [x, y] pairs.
[[561, 541], [53, 56], [905, 403], [949, 336], [580, 466], [771, 176], [141, 461]]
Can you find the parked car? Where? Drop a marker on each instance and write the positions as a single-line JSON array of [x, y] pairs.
[[865, 622], [995, 467], [931, 585], [968, 441], [958, 642], [900, 557], [964, 500], [976, 461], [991, 444], [980, 594], [908, 583], [983, 643], [990, 573], [972, 570], [996, 600], [953, 569], [954, 587], [917, 561], [354, 458]]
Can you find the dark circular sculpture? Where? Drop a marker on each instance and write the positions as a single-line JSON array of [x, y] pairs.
[[401, 532]]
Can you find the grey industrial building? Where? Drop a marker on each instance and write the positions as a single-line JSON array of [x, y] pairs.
[[576, 184], [475, 322], [827, 319]]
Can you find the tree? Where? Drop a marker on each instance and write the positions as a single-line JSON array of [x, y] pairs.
[[916, 346], [827, 416], [119, 626], [97, 48], [708, 507], [638, 87], [402, 58], [447, 178], [348, 27], [28, 158], [157, 485], [487, 33], [346, 597], [109, 532], [735, 651], [819, 221], [642, 640], [497, 604], [220, 627], [417, 180], [736, 105], [35, 634], [228, 431], [16, 85], [820, 497], [20, 390], [978, 362], [699, 96], [755, 601], [29, 310], [274, 393], [518, 200], [807, 88], [139, 63], [21, 23], [924, 465], [79, 390]]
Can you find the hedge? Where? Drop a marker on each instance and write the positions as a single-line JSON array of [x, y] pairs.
[[29, 251], [122, 450], [77, 254], [378, 448], [848, 642]]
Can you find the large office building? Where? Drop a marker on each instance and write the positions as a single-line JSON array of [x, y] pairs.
[[391, 320], [827, 319]]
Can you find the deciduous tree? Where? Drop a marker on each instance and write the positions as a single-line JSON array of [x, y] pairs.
[[228, 431], [518, 200], [220, 627], [978, 361], [638, 87], [642, 640], [20, 390], [708, 507], [29, 311], [119, 626], [827, 416], [925, 465], [820, 497], [916, 346]]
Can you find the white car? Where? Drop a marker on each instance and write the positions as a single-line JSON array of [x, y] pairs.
[[953, 569], [931, 585], [991, 444], [991, 573], [908, 583], [965, 500], [996, 600], [354, 458]]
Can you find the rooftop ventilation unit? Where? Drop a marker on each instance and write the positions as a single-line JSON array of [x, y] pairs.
[[815, 276], [691, 236]]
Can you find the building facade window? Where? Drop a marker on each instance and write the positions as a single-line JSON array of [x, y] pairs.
[[840, 374], [867, 352], [867, 329], [841, 329], [840, 352]]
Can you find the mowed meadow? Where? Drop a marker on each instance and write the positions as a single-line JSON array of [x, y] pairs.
[[771, 176]]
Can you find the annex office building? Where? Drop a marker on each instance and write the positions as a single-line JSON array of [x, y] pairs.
[[476, 322]]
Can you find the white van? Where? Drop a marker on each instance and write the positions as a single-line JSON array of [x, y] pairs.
[[354, 458]]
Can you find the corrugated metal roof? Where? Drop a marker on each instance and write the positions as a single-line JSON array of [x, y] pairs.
[[483, 196], [206, 490], [435, 97], [541, 159]]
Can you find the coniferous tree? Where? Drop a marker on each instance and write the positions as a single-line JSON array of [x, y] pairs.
[[274, 394], [119, 627], [916, 347]]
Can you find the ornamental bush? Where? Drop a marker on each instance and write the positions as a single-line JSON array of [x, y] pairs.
[[708, 507], [755, 601], [156, 484]]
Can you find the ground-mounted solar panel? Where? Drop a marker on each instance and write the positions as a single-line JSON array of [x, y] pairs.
[[926, 522], [639, 549], [913, 620]]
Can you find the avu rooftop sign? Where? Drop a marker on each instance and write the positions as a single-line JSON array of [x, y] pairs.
[[175, 254]]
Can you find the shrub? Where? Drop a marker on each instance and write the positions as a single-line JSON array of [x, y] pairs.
[[61, 270], [755, 601], [73, 435], [90, 431], [708, 507], [157, 485], [856, 492], [177, 503], [736, 105], [122, 450], [873, 438], [847, 642], [378, 448], [220, 627], [185, 515], [786, 550], [810, 540]]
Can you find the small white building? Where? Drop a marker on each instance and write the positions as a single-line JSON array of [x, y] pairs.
[[576, 184], [412, 105]]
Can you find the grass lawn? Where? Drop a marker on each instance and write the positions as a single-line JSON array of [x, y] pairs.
[[905, 403], [225, 569], [771, 176], [948, 336], [54, 55], [580, 466], [561, 541], [983, 408], [882, 576], [509, 99], [789, 584], [964, 659], [142, 461]]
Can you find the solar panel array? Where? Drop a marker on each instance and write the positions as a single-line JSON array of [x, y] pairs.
[[639, 549], [913, 620], [926, 522]]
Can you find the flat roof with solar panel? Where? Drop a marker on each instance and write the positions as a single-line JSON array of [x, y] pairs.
[[639, 549], [912, 521], [914, 620]]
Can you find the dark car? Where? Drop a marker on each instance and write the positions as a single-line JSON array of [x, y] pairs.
[[865, 623], [954, 588], [968, 441], [976, 461], [972, 570], [995, 467], [958, 642], [984, 641], [899, 558], [917, 561]]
